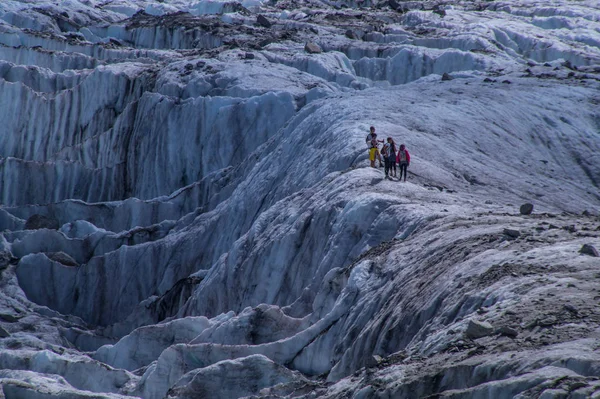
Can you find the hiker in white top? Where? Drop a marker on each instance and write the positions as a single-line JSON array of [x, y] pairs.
[[372, 144]]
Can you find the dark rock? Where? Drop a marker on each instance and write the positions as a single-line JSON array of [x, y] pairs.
[[314, 30], [350, 34], [546, 64], [188, 67], [571, 74], [478, 329], [588, 249], [263, 21], [570, 308], [4, 333], [586, 213], [249, 56], [200, 64], [446, 76], [394, 5], [526, 209], [8, 318], [36, 221], [440, 11], [547, 322], [312, 48], [373, 361], [506, 81], [507, 331], [265, 42], [5, 258], [488, 80], [512, 233], [63, 258]]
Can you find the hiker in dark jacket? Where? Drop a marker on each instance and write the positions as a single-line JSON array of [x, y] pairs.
[[403, 160], [389, 156]]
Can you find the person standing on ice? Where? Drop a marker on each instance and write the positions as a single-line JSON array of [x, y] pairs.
[[403, 160], [389, 156], [372, 145]]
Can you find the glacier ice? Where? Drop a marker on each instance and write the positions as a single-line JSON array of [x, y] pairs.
[[213, 228]]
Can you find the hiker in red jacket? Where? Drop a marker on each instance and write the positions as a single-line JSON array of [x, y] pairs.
[[403, 160]]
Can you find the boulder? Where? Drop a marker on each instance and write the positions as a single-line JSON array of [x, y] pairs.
[[350, 34], [36, 221], [263, 21], [511, 233], [5, 258], [507, 331], [588, 249], [478, 329], [394, 5], [446, 76], [312, 48], [4, 333], [440, 11], [526, 209]]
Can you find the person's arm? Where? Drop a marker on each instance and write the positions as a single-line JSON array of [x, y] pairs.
[[407, 158]]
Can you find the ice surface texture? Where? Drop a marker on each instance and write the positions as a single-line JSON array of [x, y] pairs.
[[188, 212]]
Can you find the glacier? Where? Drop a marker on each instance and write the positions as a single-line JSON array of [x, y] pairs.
[[188, 211]]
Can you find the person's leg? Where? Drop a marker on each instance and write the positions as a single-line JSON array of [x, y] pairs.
[[387, 166], [393, 161], [404, 167], [379, 157], [372, 157]]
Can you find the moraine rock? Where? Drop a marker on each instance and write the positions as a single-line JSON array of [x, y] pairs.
[[312, 48], [588, 249], [263, 21], [35, 222], [511, 233], [5, 258], [350, 34], [4, 333], [526, 209], [478, 329], [446, 76], [507, 331]]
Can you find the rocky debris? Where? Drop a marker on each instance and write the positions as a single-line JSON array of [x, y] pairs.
[[526, 209], [511, 233], [35, 222], [9, 318], [446, 76], [588, 249], [5, 258], [570, 308], [263, 21], [350, 34], [439, 11], [312, 48], [4, 333], [507, 331], [478, 329], [373, 361], [62, 258]]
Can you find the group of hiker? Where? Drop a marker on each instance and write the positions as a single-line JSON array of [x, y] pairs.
[[391, 155]]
